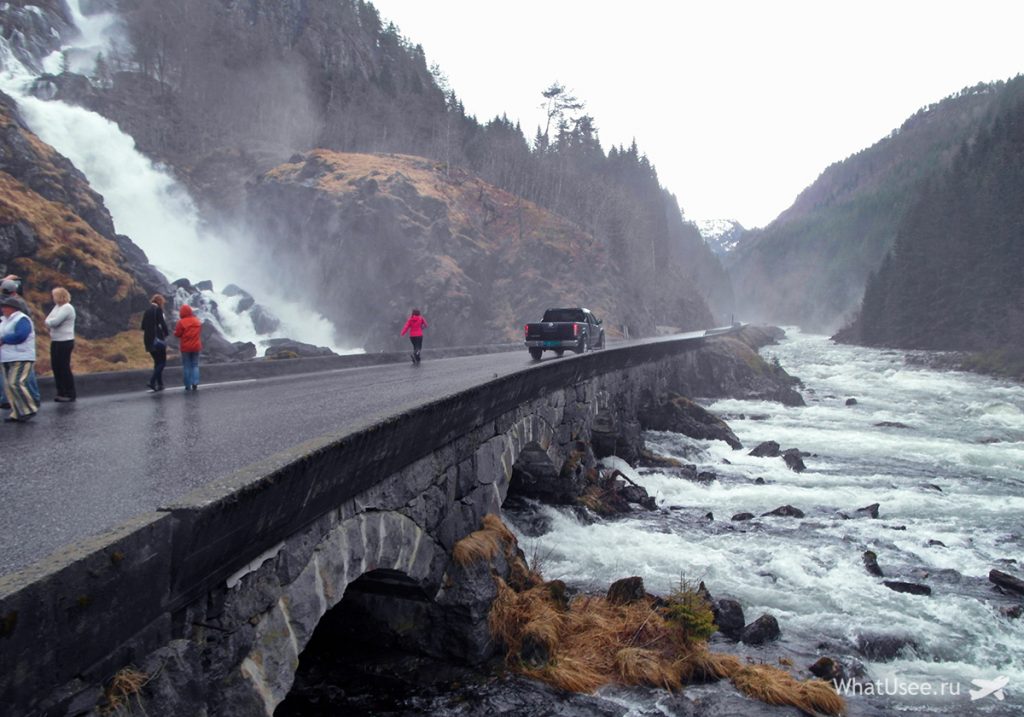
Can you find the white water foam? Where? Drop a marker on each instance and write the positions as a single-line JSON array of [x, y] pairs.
[[148, 204], [939, 479]]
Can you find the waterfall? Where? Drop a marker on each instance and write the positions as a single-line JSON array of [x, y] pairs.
[[148, 204]]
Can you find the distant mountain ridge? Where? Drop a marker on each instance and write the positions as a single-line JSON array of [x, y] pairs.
[[809, 266]]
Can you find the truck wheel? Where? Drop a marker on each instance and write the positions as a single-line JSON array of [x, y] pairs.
[[581, 346], [559, 352], [536, 354]]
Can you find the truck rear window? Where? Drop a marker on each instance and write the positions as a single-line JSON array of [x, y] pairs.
[[564, 315]]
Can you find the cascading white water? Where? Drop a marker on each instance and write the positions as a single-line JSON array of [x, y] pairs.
[[150, 206], [954, 474]]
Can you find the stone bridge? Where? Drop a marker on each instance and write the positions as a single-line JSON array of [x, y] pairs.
[[214, 599]]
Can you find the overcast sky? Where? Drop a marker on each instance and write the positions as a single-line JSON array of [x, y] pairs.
[[740, 104]]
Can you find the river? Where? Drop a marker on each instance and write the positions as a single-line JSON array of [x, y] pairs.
[[941, 452]]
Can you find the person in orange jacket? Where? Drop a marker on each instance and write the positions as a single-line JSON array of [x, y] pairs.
[[189, 331], [414, 325]]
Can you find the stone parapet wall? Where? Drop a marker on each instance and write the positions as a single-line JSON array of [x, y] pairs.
[[215, 599]]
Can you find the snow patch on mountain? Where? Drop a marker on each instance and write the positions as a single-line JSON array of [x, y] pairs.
[[721, 235]]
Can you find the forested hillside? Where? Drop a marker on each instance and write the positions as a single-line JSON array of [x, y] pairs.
[[955, 276], [809, 267], [226, 92]]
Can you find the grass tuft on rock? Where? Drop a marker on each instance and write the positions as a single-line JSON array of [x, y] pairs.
[[658, 643]]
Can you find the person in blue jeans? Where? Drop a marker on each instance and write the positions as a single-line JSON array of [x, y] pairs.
[[189, 330]]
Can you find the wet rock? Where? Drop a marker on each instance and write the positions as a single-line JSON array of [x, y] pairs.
[[870, 511], [794, 460], [767, 449], [828, 669], [205, 285], [785, 511], [759, 481], [891, 424], [936, 544], [728, 617], [740, 517], [871, 563], [626, 591], [288, 348], [615, 435], [266, 323], [910, 588], [883, 648], [247, 300], [932, 486], [648, 459], [851, 402], [637, 494], [527, 515], [706, 477], [681, 415], [763, 629], [1012, 613], [534, 476], [710, 517], [1006, 581]]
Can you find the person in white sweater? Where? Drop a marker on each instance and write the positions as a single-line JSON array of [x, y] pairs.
[[61, 323]]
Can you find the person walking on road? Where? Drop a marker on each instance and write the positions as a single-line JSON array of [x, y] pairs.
[[189, 331], [414, 326], [18, 356], [154, 337], [61, 324]]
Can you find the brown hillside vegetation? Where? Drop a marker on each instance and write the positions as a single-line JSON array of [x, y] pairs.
[[56, 231], [380, 233]]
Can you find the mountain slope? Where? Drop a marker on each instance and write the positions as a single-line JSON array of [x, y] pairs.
[[56, 231], [810, 265], [381, 234], [953, 279]]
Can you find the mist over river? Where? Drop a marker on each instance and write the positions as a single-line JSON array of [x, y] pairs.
[[951, 470]]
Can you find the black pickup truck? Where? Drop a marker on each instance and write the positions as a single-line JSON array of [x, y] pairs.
[[577, 330]]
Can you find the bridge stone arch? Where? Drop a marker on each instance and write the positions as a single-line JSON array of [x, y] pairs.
[[363, 544]]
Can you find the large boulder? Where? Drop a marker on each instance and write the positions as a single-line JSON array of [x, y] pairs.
[[681, 415], [763, 629]]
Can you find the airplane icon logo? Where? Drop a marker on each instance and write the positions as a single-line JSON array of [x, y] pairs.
[[989, 687]]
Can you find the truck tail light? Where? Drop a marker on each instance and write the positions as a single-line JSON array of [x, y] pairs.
[[526, 330], [575, 329]]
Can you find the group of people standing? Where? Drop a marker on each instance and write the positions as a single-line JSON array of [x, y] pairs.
[[18, 349], [188, 330], [18, 346], [18, 381]]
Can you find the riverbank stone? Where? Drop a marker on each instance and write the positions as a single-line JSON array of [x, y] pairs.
[[763, 629]]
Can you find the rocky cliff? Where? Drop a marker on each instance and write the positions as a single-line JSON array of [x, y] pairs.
[[384, 233], [56, 231]]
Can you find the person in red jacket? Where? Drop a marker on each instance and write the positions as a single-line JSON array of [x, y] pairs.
[[414, 325], [189, 331]]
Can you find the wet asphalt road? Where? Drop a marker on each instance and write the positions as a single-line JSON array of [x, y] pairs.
[[82, 468]]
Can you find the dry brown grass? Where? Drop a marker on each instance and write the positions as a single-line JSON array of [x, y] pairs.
[[594, 642], [775, 686], [125, 685]]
